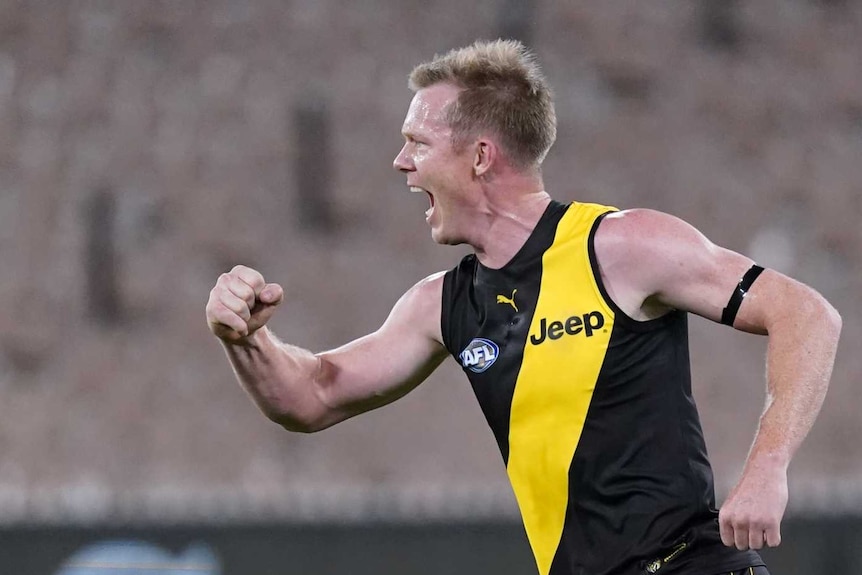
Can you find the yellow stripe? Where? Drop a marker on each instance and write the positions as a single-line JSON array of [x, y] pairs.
[[555, 386]]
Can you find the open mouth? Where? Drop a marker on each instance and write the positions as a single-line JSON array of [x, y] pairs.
[[430, 209]]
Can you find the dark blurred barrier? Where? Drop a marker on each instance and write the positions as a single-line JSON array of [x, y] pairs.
[[811, 546]]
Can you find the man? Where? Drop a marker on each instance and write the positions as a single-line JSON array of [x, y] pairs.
[[570, 322]]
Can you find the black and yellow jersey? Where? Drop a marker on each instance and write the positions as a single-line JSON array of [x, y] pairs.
[[592, 410]]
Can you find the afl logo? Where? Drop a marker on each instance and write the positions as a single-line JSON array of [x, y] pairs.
[[479, 355]]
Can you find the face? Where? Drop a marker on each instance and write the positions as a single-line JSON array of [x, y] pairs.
[[432, 166]]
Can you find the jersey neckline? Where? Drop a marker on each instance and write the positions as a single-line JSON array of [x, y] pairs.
[[534, 245]]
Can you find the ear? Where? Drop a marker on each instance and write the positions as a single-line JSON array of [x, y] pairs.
[[486, 155]]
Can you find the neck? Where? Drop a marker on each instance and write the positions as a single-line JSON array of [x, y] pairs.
[[508, 223]]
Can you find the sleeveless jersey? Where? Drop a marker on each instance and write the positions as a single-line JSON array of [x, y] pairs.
[[592, 410]]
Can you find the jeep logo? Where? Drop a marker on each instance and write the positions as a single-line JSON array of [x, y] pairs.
[[587, 323], [479, 355]]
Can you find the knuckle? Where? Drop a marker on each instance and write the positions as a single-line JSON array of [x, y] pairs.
[[254, 278], [239, 311], [754, 523], [214, 298], [245, 293], [246, 273], [234, 287], [217, 295], [224, 314]]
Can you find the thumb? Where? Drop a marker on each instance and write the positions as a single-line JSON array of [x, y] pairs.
[[267, 303], [271, 294]]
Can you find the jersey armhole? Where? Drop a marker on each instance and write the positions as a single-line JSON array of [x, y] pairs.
[[620, 315], [444, 308]]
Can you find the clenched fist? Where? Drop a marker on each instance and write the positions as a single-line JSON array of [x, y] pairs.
[[241, 303], [751, 516]]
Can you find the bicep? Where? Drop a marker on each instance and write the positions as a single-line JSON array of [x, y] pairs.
[[385, 365], [686, 271], [701, 277], [672, 265], [697, 276]]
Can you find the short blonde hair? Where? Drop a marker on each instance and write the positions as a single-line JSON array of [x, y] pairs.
[[503, 91]]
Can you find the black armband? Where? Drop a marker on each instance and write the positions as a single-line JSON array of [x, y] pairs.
[[728, 314]]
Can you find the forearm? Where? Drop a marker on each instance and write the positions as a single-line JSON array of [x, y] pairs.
[[279, 378], [800, 355]]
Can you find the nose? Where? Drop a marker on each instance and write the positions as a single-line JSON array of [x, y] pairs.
[[403, 162]]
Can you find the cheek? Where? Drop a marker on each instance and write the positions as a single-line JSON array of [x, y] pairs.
[[421, 156]]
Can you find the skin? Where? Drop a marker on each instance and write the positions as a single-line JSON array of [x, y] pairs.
[[650, 262]]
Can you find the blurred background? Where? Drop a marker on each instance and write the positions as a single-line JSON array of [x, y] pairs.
[[148, 146]]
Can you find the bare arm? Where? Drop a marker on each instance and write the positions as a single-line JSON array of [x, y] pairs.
[[655, 262], [303, 391]]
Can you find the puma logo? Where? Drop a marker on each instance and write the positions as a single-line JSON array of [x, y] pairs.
[[508, 300]]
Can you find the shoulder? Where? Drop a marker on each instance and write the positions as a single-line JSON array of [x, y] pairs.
[[644, 255], [639, 222], [644, 233], [425, 293], [420, 306], [431, 286]]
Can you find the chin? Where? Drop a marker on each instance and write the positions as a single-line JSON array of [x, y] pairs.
[[446, 240]]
